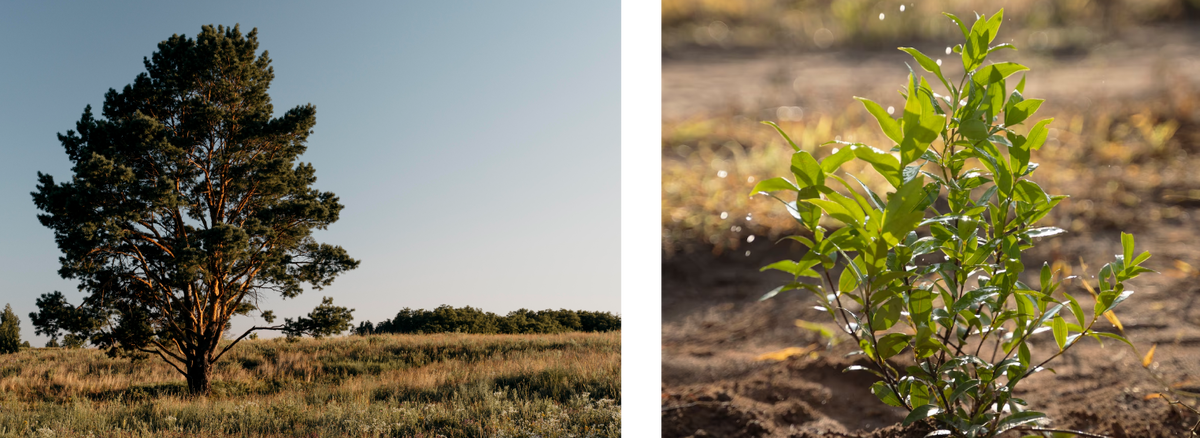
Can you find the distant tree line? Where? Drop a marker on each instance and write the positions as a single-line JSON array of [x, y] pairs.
[[448, 319]]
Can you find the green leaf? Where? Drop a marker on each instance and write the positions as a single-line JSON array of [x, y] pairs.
[[927, 63], [1029, 192], [1045, 277], [1037, 135], [993, 25], [974, 129], [972, 298], [890, 127], [976, 47], [772, 293], [1020, 111], [962, 388], [1001, 47], [920, 304], [1049, 314], [996, 72], [862, 368], [808, 172], [927, 344], [886, 395], [903, 211], [848, 281], [1140, 258], [993, 101], [1018, 419], [784, 134], [892, 344], [835, 161], [922, 123], [884, 163], [1127, 246], [887, 314], [1059, 326], [960, 24], [787, 287], [837, 211], [997, 165], [1044, 232], [802, 268], [920, 413], [1117, 337], [773, 184], [1109, 300], [1076, 309]]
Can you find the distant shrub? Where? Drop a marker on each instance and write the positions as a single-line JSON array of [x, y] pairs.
[[448, 319], [10, 331]]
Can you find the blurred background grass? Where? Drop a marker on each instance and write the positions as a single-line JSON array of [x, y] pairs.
[[1062, 26], [1124, 142]]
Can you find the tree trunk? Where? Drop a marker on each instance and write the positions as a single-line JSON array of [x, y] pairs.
[[199, 371]]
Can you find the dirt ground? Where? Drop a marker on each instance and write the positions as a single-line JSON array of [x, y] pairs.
[[715, 329]]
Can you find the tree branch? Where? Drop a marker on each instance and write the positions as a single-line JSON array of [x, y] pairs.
[[164, 358], [239, 338]]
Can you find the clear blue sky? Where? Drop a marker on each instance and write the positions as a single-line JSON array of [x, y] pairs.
[[475, 145]]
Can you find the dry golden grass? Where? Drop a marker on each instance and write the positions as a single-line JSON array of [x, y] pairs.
[[380, 385]]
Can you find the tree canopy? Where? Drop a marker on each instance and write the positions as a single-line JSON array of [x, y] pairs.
[[188, 203], [10, 331]]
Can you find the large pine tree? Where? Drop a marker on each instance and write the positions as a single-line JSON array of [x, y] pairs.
[[188, 201]]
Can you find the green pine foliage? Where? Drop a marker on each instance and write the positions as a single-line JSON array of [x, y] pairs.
[[448, 319], [325, 320], [10, 331]]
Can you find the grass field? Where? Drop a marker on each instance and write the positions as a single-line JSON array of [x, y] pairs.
[[444, 385]]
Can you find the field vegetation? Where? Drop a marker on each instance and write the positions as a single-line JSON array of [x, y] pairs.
[[447, 385]]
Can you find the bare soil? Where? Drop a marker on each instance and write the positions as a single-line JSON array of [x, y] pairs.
[[715, 329]]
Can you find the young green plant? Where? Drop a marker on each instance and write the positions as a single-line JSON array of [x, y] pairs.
[[941, 280]]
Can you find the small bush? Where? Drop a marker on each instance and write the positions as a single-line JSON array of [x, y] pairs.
[[942, 280]]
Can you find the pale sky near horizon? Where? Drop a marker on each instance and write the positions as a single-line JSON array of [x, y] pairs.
[[475, 145]]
